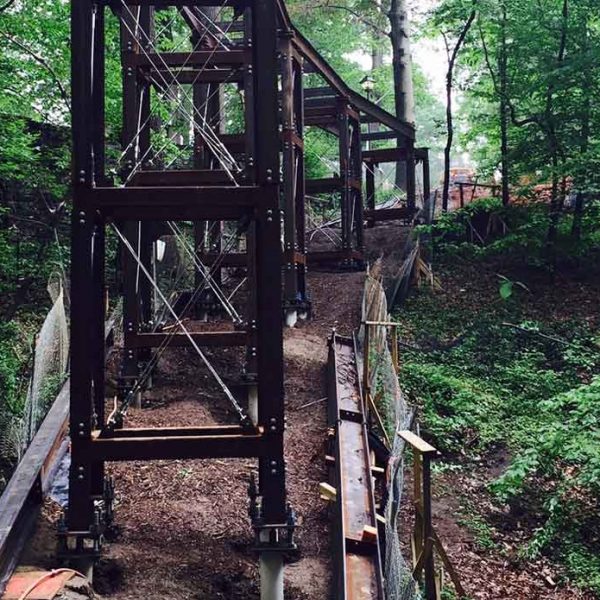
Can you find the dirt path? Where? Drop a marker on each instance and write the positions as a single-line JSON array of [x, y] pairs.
[[184, 529]]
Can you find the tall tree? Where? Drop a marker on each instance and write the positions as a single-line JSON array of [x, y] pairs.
[[453, 20]]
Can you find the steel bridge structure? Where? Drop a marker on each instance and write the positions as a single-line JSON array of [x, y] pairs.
[[242, 190]]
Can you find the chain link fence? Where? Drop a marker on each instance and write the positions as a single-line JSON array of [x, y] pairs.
[[396, 415], [50, 360]]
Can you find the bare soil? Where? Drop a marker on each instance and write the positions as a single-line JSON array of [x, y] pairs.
[[183, 525]]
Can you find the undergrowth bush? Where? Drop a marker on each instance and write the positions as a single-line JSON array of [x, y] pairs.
[[514, 230], [491, 375]]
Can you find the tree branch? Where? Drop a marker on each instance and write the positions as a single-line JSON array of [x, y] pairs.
[[513, 113], [357, 15], [6, 6], [40, 60]]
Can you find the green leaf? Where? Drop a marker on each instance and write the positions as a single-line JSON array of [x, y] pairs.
[[506, 290]]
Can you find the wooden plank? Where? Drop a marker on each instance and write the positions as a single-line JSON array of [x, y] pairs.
[[416, 442]]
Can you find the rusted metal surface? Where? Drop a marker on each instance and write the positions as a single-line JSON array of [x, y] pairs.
[[46, 589], [357, 554]]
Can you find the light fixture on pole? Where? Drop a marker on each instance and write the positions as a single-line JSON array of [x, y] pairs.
[[367, 83]]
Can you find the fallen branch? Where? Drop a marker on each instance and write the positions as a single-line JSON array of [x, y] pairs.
[[311, 403], [537, 333]]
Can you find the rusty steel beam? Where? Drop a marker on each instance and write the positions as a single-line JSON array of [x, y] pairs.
[[175, 203], [192, 76], [21, 499], [389, 214], [142, 432], [332, 256], [384, 155], [153, 447], [195, 178], [220, 58], [181, 340], [357, 559]]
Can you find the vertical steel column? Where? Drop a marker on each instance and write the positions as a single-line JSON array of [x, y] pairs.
[[98, 252], [426, 179], [356, 156], [208, 235], [370, 180], [132, 93], [84, 329], [268, 263], [300, 199], [410, 175], [344, 155], [289, 176], [251, 126]]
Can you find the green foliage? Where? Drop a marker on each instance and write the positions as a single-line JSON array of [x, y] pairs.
[[533, 390], [523, 234], [15, 357], [479, 528], [50, 388]]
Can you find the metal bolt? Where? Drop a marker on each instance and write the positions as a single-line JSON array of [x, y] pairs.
[[273, 428], [273, 471], [273, 420]]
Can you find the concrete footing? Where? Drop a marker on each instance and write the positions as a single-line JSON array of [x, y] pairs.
[[253, 402], [291, 317], [271, 575]]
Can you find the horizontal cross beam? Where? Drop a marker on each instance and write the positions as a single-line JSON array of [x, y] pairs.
[[175, 203], [172, 446], [179, 340]]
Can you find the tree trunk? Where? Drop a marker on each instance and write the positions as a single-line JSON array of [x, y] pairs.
[[452, 56], [402, 70], [449, 140], [585, 139], [557, 200]]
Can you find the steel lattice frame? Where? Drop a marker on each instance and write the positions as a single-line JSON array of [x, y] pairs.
[[96, 202], [272, 58]]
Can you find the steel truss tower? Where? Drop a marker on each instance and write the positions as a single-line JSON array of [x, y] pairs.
[[138, 211]]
